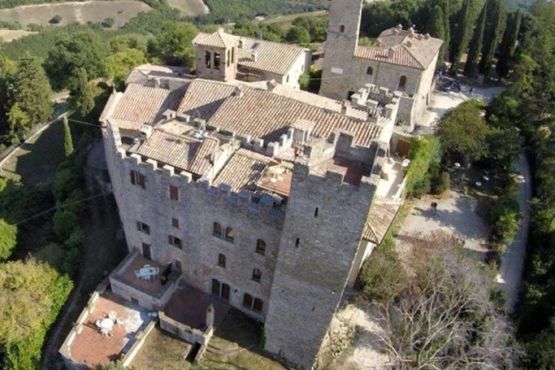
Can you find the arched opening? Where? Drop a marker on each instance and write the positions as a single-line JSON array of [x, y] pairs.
[[342, 28], [370, 71], [217, 60], [260, 246], [217, 229], [208, 59], [403, 83]]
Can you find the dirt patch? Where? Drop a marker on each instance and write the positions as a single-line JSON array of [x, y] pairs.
[[190, 7], [10, 35], [91, 11]]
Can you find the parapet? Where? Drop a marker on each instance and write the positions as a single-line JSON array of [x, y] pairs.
[[377, 101]]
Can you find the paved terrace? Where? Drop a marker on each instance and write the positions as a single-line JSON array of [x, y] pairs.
[[89, 347]]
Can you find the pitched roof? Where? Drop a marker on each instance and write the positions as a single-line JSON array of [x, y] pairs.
[[243, 170], [271, 57], [266, 115], [402, 47], [141, 104], [204, 97], [179, 151], [218, 39], [380, 218]]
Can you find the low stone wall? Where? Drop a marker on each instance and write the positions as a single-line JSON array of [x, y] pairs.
[[140, 339], [186, 333]]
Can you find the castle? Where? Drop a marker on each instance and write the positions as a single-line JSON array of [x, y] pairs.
[[237, 189]]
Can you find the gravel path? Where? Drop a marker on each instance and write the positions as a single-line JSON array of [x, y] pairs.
[[512, 264]]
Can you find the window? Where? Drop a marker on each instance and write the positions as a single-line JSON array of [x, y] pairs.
[[370, 71], [342, 28], [258, 304], [228, 59], [247, 300], [175, 223], [137, 178], [221, 260], [316, 211], [174, 241], [297, 242], [260, 246], [217, 230], [402, 83], [174, 192], [221, 289], [217, 60], [256, 275], [229, 234], [208, 59], [232, 55], [146, 250], [142, 227]]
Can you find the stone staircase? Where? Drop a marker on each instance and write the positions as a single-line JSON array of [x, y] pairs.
[[218, 354]]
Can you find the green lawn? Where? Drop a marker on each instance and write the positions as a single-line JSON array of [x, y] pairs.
[[35, 162]]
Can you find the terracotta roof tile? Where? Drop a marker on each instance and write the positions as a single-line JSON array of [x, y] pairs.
[[141, 104], [243, 170], [204, 97]]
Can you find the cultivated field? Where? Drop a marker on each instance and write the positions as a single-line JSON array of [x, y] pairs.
[[10, 35], [82, 12], [189, 7], [286, 21]]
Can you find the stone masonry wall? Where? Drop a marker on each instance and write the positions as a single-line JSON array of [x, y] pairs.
[[316, 254]]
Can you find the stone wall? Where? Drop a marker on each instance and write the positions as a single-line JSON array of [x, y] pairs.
[[319, 243]]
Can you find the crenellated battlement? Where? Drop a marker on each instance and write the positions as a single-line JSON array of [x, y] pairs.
[[377, 101]]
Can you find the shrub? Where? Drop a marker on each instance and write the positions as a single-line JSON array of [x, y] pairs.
[[108, 22], [8, 239], [382, 277], [424, 155], [64, 222], [503, 217], [441, 183], [56, 19]]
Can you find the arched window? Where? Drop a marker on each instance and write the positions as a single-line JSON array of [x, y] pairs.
[[229, 234], [217, 230], [232, 55], [228, 59], [402, 83], [370, 71], [260, 246], [256, 275], [342, 28], [208, 59], [217, 60]]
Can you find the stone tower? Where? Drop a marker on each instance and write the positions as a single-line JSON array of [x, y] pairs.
[[216, 56], [321, 236], [341, 43]]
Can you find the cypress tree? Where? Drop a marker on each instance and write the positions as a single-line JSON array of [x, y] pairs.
[[436, 28], [463, 34], [471, 66], [446, 7], [82, 93], [493, 32], [508, 45], [68, 140]]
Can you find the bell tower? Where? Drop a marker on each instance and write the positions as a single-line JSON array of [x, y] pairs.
[[341, 43], [216, 56]]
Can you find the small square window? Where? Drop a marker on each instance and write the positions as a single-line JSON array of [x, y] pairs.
[[175, 223], [256, 275], [258, 305], [174, 241], [260, 246], [142, 227], [229, 236], [221, 260], [247, 301], [137, 179]]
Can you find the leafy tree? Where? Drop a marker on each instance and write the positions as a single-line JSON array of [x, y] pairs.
[[463, 34], [376, 17], [316, 26], [68, 140], [463, 132], [436, 28], [8, 239], [56, 19], [73, 52], [120, 64], [495, 24], [173, 45], [298, 35], [446, 8], [111, 366], [471, 66], [129, 41], [82, 93], [509, 43], [424, 155], [31, 294], [28, 96]]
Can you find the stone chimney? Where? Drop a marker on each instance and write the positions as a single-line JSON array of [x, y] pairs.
[[271, 85], [238, 92], [254, 55]]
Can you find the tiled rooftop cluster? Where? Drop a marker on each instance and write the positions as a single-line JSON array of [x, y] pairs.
[[402, 47], [240, 136]]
